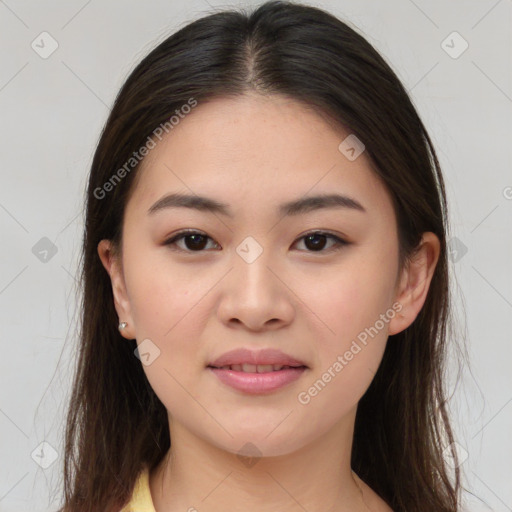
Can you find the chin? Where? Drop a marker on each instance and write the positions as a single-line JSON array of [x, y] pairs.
[[254, 445]]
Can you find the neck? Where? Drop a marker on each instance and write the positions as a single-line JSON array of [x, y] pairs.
[[196, 474]]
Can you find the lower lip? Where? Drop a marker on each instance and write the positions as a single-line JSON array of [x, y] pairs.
[[258, 382]]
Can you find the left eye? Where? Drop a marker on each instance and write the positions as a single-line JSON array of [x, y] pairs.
[[196, 243]]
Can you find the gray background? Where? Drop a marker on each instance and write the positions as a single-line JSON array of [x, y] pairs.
[[52, 111]]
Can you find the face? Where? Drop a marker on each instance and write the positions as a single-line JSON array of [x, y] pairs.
[[258, 277]]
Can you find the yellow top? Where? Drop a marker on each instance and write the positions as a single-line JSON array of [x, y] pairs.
[[141, 500]]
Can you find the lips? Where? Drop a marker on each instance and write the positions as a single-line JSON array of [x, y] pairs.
[[252, 361], [254, 368], [257, 371]]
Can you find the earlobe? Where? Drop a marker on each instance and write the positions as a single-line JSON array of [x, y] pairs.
[[120, 296], [415, 282]]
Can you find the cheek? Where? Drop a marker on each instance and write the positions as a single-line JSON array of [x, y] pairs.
[[347, 301], [346, 365], [166, 308], [164, 299], [352, 311]]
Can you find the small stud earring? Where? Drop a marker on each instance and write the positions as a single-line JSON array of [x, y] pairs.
[[122, 325]]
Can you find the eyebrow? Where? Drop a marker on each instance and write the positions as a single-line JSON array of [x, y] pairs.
[[295, 207]]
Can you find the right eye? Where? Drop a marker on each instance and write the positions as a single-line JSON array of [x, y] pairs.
[[196, 241]]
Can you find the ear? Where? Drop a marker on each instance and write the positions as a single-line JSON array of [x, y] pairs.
[[113, 266], [414, 282]]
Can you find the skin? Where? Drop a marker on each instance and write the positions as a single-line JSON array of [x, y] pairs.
[[255, 152]]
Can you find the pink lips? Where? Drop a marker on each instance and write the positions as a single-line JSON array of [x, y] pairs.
[[264, 356], [254, 382]]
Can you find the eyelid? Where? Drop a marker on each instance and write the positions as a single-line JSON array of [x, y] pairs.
[[340, 242], [182, 234]]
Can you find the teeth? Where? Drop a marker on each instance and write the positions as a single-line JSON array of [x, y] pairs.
[[264, 368], [254, 368]]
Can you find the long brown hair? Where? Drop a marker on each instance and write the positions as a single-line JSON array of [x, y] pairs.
[[116, 424]]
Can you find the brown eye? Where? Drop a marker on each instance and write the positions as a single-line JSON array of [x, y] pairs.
[[316, 241], [194, 241]]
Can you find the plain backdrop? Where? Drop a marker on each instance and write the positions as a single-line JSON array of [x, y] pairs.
[[455, 60]]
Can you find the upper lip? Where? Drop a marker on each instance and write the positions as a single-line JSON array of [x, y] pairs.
[[257, 357]]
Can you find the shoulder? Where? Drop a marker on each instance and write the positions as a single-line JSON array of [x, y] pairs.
[[371, 498], [140, 500]]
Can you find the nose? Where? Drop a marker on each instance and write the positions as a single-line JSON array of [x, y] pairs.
[[255, 294]]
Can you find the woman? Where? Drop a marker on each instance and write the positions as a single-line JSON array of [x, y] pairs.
[[266, 294]]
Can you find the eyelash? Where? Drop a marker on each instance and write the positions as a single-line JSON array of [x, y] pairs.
[[183, 234]]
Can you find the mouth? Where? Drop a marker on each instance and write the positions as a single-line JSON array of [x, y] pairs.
[[256, 368], [257, 379], [256, 372]]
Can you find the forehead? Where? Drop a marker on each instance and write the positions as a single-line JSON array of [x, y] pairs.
[[255, 150]]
